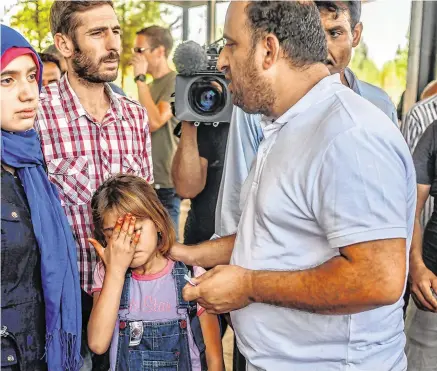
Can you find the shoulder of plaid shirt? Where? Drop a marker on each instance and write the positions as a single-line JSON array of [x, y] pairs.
[[81, 154]]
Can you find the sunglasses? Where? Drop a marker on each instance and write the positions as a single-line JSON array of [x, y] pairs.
[[140, 50]]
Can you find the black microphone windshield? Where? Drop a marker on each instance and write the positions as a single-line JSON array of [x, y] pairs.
[[190, 58]]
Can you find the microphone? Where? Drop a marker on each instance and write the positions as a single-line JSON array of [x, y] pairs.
[[190, 58]]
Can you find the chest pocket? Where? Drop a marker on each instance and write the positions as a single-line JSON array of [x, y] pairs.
[[71, 176], [10, 226], [134, 165], [19, 255]]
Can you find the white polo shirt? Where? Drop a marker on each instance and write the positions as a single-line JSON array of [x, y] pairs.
[[331, 172]]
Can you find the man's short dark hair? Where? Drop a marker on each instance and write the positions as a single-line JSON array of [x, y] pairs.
[[158, 36], [352, 7], [63, 14], [297, 26], [50, 58]]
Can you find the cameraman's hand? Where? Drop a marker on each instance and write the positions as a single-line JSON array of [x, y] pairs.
[[140, 64], [422, 280], [118, 255]]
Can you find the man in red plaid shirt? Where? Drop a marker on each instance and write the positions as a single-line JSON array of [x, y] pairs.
[[88, 132]]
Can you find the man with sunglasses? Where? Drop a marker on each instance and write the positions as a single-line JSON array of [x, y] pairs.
[[150, 56]]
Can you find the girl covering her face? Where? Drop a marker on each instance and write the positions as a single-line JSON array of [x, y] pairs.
[[138, 307]]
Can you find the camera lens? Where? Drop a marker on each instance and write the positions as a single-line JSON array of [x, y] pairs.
[[207, 96], [207, 100]]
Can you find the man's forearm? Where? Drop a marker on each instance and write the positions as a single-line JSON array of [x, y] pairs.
[[416, 245], [335, 287], [186, 168], [153, 113], [207, 254]]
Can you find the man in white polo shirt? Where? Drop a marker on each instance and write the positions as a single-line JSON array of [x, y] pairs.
[[319, 261]]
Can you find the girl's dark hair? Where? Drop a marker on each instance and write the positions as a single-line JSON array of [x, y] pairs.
[[126, 193]]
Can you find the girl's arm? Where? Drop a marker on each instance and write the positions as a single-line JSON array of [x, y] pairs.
[[116, 257], [211, 335], [104, 313]]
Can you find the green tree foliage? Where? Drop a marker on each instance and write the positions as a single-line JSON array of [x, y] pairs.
[[364, 67], [394, 74], [31, 18], [392, 78]]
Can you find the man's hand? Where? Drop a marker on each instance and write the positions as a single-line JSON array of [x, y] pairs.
[[222, 289], [140, 64], [118, 255], [422, 280], [183, 253]]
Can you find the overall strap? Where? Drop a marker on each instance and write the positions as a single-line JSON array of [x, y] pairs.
[[124, 301], [178, 272]]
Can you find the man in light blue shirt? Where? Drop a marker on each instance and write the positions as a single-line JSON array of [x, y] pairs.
[[341, 22], [318, 266]]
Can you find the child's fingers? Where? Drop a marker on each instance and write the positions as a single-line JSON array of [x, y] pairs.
[[117, 229], [136, 239], [130, 231], [99, 248], [124, 227]]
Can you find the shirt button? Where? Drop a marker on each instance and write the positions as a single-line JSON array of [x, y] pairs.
[[11, 358], [14, 215]]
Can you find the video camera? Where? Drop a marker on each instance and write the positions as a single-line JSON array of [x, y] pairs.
[[201, 94]]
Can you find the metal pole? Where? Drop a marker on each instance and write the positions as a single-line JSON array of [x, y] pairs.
[[422, 55], [185, 23], [428, 47], [211, 21], [414, 54]]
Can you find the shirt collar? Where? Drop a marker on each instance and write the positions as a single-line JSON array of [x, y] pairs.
[[352, 81], [319, 91], [74, 108]]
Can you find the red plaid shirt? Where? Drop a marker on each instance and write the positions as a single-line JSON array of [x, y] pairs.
[[81, 153]]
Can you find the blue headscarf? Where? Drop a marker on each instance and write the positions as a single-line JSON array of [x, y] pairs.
[[59, 272]]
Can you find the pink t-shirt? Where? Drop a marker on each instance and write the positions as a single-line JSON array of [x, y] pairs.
[[152, 298]]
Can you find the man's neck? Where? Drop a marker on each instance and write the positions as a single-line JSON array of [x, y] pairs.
[[343, 78], [303, 82], [92, 96], [161, 71]]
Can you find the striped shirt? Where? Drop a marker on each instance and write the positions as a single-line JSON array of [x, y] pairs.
[[415, 122], [81, 154]]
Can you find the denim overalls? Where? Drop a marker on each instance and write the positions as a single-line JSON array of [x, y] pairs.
[[163, 345]]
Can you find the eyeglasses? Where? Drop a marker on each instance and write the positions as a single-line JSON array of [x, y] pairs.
[[140, 50]]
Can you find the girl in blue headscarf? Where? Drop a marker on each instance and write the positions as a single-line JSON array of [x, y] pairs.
[[41, 310]]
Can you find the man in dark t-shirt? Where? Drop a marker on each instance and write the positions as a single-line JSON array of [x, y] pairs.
[[422, 330], [197, 171], [151, 51]]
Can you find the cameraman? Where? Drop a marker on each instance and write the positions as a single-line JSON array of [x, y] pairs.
[[197, 171], [151, 51]]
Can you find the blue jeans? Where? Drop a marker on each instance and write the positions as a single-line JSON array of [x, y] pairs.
[[172, 203]]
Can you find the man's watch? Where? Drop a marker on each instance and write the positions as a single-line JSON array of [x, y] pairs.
[[140, 77]]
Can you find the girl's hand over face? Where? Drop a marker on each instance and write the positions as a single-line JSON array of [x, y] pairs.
[[118, 255]]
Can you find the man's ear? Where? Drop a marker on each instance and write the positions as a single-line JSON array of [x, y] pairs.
[[160, 51], [64, 44], [271, 51], [356, 34]]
